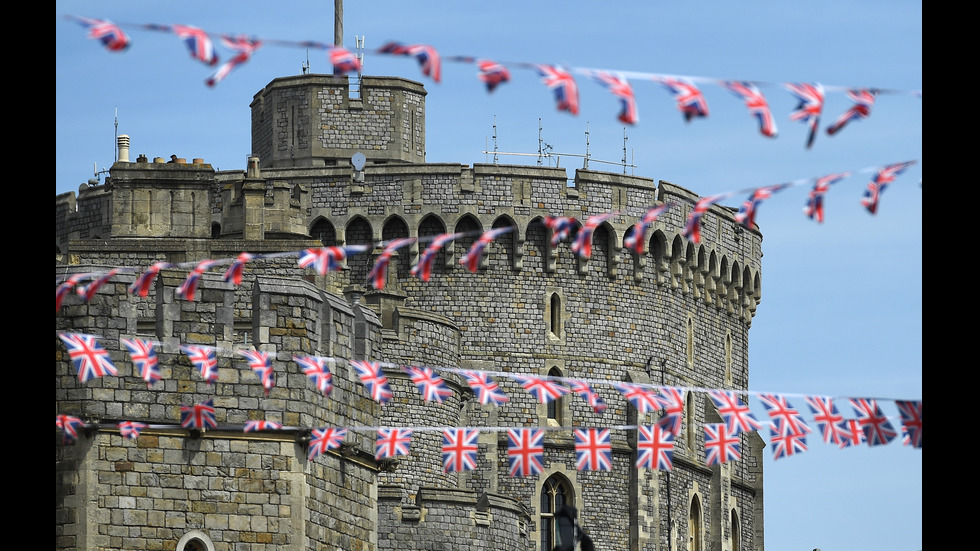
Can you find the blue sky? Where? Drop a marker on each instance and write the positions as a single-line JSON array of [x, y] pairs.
[[841, 308]]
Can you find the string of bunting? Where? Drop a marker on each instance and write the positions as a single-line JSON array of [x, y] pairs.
[[690, 100]]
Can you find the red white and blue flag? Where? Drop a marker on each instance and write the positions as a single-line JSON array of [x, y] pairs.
[[673, 415], [690, 100], [244, 46], [593, 450], [644, 400], [884, 176], [431, 386], [328, 259], [492, 73], [379, 272], [747, 212], [654, 448], [69, 425], [88, 290], [636, 237], [620, 87], [142, 284], [459, 448], [130, 429], [738, 417], [757, 104], [198, 42], [426, 55], [486, 389], [721, 445], [260, 425], [877, 428], [204, 359], [829, 420], [542, 389], [234, 272], [315, 367], [864, 100], [392, 442], [198, 416], [814, 202], [373, 380], [692, 228], [473, 256], [911, 412], [810, 95], [188, 289], [105, 31], [852, 433], [525, 451], [423, 270], [343, 61], [325, 439], [561, 227], [261, 364], [582, 245], [562, 84], [90, 359], [785, 441], [782, 414], [588, 394], [144, 356], [65, 286]]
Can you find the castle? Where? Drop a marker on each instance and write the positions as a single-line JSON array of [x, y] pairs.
[[679, 314]]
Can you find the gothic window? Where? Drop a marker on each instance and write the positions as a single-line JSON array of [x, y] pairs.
[[728, 359], [689, 416], [694, 540], [555, 406], [555, 494], [690, 341], [736, 532], [555, 315]]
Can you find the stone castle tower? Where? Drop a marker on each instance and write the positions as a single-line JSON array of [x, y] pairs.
[[677, 315]]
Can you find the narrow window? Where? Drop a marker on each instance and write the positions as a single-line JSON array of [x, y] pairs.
[[689, 416], [555, 315], [555, 406], [694, 542], [736, 532], [690, 341], [728, 360], [555, 494]]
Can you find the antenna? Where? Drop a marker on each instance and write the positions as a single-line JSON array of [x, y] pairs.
[[495, 139], [544, 150], [625, 138], [306, 64], [585, 164], [115, 137], [359, 46]]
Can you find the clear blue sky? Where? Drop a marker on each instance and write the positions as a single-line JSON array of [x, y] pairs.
[[841, 309]]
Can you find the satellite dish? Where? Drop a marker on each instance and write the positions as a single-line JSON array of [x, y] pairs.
[[358, 160]]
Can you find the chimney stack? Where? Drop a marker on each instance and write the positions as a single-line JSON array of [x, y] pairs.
[[122, 144]]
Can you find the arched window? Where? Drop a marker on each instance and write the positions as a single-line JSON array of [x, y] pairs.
[[694, 541], [195, 540], [555, 494], [728, 359], [556, 315], [555, 406], [690, 341], [736, 532], [691, 433]]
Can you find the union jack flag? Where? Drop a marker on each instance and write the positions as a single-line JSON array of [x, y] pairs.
[[245, 46], [198, 416], [90, 359], [472, 257], [637, 235], [234, 272], [373, 380], [692, 228], [828, 419], [106, 32], [877, 429], [756, 102], [432, 387], [864, 100], [593, 450], [62, 290], [590, 396], [316, 369], [204, 359], [392, 442], [459, 449], [141, 286], [492, 73], [130, 429], [690, 100], [644, 400], [525, 451], [746, 213], [327, 259], [582, 245], [814, 202], [343, 61], [423, 270], [654, 448], [673, 402], [69, 426], [852, 434], [560, 227], [563, 85], [783, 414], [487, 390], [261, 364], [379, 272], [911, 412], [427, 57], [144, 359], [738, 418], [721, 445], [785, 441], [810, 96], [255, 425], [620, 87], [88, 290], [198, 42], [882, 178], [325, 439], [542, 389], [188, 288]]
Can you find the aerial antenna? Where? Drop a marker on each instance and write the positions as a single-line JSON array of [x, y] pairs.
[[359, 46], [495, 139], [115, 137], [585, 164], [544, 150], [625, 139], [306, 64]]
